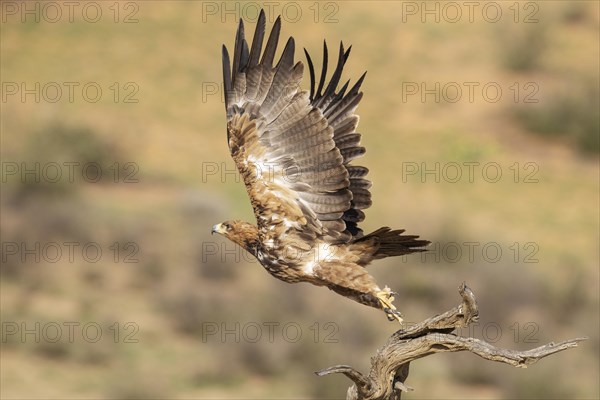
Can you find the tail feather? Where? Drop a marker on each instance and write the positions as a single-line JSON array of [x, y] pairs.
[[391, 243]]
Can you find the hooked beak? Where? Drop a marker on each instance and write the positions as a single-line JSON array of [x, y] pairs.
[[216, 229]]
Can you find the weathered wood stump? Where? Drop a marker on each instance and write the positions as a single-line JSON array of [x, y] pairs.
[[390, 366]]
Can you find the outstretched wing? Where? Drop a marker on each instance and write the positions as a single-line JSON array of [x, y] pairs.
[[292, 147], [338, 108]]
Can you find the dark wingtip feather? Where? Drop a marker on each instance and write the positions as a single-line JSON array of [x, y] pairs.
[[226, 73], [337, 73], [287, 57], [347, 53], [323, 70], [343, 89], [257, 41], [269, 54], [238, 49], [311, 70], [338, 96], [245, 56], [357, 85]]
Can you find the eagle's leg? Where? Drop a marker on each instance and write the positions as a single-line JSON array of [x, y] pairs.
[[353, 281], [386, 298]]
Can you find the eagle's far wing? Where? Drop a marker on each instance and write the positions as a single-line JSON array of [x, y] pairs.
[[338, 108], [284, 143]]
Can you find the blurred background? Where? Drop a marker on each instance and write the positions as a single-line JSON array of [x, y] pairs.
[[481, 127]]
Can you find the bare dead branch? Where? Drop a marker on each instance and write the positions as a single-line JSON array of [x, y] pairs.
[[390, 366]]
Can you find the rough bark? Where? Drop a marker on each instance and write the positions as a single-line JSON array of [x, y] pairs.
[[390, 366]]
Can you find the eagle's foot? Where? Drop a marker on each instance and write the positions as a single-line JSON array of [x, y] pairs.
[[393, 315], [386, 298]]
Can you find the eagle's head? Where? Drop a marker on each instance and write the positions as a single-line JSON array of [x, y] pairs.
[[240, 232]]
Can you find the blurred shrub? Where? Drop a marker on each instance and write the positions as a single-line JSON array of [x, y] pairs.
[[40, 220], [188, 307], [262, 359], [570, 102], [474, 371], [129, 382], [53, 350], [214, 270], [148, 274], [536, 383], [570, 112], [567, 299], [576, 12], [60, 144], [521, 46]]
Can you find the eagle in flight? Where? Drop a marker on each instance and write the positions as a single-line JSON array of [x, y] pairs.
[[294, 148]]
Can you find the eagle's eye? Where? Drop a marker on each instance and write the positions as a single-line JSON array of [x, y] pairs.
[[227, 226]]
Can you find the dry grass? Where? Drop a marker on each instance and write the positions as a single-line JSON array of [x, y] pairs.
[[179, 285]]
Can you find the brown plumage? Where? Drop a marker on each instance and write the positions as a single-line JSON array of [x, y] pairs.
[[293, 149]]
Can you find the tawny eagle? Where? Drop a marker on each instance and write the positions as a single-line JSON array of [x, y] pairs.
[[293, 149]]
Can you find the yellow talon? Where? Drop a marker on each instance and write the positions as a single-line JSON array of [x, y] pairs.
[[386, 298]]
